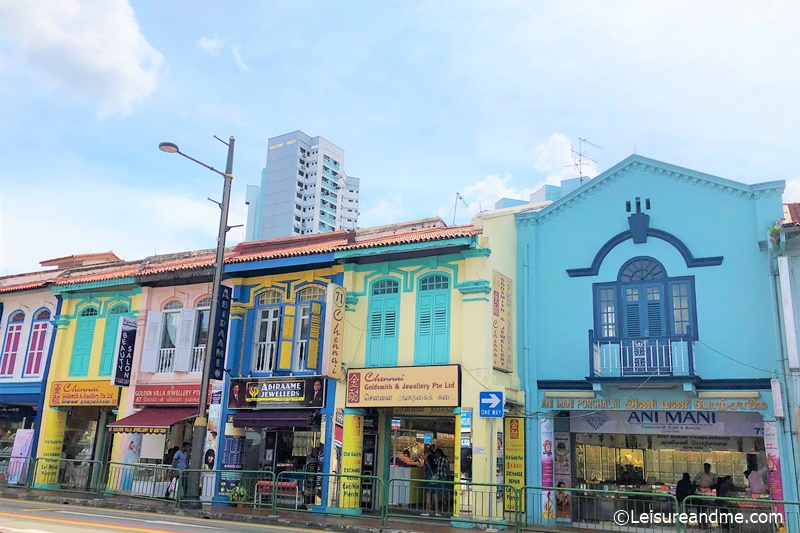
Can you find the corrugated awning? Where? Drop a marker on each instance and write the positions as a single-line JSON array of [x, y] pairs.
[[152, 420], [272, 419]]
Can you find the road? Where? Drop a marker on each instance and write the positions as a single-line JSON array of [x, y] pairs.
[[19, 516]]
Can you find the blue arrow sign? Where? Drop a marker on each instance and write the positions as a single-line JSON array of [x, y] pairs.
[[491, 404]]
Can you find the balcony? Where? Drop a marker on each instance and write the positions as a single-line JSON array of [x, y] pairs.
[[198, 355], [641, 357], [264, 356], [166, 361]]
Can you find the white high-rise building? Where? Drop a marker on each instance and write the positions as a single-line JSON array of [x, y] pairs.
[[304, 189]]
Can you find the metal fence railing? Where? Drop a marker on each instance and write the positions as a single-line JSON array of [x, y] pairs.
[[140, 480], [741, 515], [72, 475], [339, 494], [241, 486], [14, 471]]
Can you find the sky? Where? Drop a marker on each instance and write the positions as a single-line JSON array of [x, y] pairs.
[[427, 98]]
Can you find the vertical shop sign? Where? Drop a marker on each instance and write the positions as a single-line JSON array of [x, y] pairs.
[[211, 445], [515, 460], [48, 465], [352, 448], [502, 319], [499, 468], [562, 468], [334, 330], [773, 464], [219, 332], [17, 469], [546, 439], [123, 352]]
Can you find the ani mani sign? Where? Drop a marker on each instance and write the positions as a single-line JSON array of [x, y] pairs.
[[502, 307], [334, 329]]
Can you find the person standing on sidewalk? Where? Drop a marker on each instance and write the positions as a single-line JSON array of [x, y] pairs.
[[179, 461]]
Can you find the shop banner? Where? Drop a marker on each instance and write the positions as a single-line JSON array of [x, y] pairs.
[[167, 394], [352, 448], [334, 331], [515, 460], [277, 393], [65, 393], [233, 453], [562, 475], [123, 352], [432, 386], [212, 428], [773, 465], [17, 469], [502, 321], [47, 470], [669, 423], [466, 420], [546, 438], [219, 333]]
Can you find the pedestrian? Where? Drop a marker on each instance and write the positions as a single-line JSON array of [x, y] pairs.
[[430, 483], [684, 488], [443, 475], [705, 480], [179, 461]]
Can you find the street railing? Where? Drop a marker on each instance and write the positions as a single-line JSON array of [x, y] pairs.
[[740, 515], [247, 480], [74, 475], [140, 480], [14, 470], [338, 494]]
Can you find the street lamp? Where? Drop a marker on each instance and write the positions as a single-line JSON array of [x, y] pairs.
[[199, 430]]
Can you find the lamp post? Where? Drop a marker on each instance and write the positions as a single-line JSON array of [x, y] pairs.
[[200, 423]]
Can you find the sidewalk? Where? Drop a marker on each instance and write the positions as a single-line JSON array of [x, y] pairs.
[[302, 520]]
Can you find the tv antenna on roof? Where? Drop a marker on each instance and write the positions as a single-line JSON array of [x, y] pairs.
[[455, 207], [580, 157]]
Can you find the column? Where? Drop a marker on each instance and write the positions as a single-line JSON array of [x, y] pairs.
[[48, 463]]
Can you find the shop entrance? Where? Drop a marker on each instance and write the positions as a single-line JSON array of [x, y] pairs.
[[412, 439]]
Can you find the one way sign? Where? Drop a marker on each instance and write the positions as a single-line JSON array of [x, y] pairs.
[[491, 404]]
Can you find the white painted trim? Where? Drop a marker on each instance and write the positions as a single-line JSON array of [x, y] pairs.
[[788, 314]]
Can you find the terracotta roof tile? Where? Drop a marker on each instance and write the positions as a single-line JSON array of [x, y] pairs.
[[23, 286], [791, 215], [75, 257], [105, 274], [435, 234]]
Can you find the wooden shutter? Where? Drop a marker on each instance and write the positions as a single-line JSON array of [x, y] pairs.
[[633, 326], [314, 331], [655, 324], [441, 328], [287, 338], [109, 343], [375, 332], [82, 349], [389, 331], [152, 341], [424, 329], [185, 340]]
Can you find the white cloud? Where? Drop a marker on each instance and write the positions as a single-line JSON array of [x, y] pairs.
[[554, 159], [386, 211], [482, 195], [93, 47], [792, 192], [236, 50], [210, 45]]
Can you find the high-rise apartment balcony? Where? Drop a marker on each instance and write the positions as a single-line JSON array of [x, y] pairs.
[[641, 357]]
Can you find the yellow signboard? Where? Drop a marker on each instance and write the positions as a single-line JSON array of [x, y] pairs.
[[352, 448], [334, 332], [83, 393], [401, 386], [514, 460], [502, 307]]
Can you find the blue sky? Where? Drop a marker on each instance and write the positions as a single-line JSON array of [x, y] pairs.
[[426, 98]]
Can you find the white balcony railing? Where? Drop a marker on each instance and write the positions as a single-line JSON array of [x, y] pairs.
[[198, 356], [166, 361], [264, 356], [642, 357]]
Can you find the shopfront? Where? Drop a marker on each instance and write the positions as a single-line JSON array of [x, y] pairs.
[[418, 412], [647, 448]]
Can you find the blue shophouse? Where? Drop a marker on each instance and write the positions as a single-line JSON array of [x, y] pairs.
[[648, 336]]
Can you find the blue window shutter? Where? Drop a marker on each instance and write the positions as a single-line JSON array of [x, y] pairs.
[[631, 297], [441, 328], [391, 304], [655, 324], [423, 344], [82, 349], [375, 330], [109, 341]]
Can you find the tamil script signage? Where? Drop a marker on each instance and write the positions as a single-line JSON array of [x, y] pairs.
[[123, 361], [425, 386], [502, 318], [334, 330], [636, 404], [219, 333], [669, 423], [274, 393], [65, 393], [167, 394]]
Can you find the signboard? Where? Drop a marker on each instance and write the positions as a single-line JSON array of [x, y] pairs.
[[466, 419], [17, 468], [514, 460], [562, 475], [774, 465], [219, 333], [138, 429], [420, 411], [83, 393], [435, 386], [502, 321], [490, 404], [546, 438], [274, 393], [167, 394], [669, 423], [233, 452], [123, 352], [645, 403], [334, 331]]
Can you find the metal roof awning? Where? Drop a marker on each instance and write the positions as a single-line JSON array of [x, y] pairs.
[[152, 420], [272, 419]]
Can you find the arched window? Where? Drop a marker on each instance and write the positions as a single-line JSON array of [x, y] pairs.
[[308, 321], [11, 343], [110, 337], [312, 292], [173, 305], [204, 303], [269, 297], [82, 347], [433, 321], [384, 309], [641, 269], [119, 309], [36, 343]]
